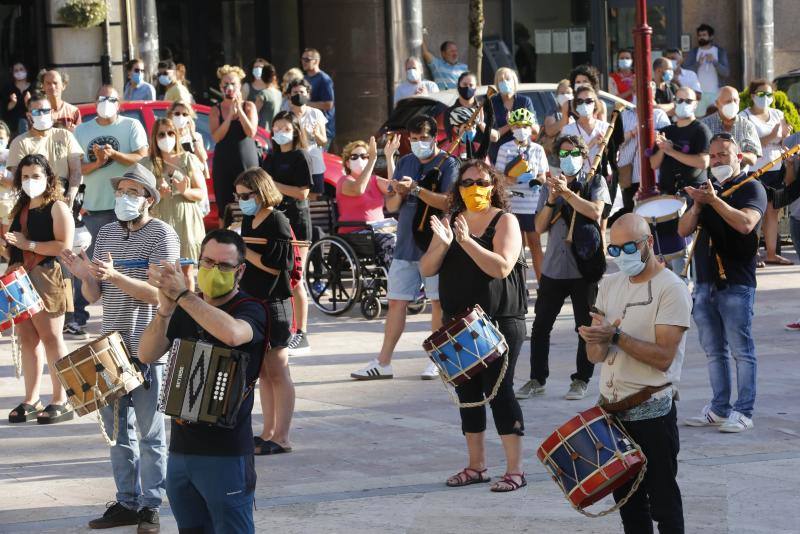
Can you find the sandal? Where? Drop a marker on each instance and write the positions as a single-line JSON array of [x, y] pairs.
[[25, 412], [467, 477], [779, 261], [270, 447], [56, 413], [510, 483]]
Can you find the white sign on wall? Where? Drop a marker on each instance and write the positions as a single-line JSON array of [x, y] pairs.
[[577, 39], [543, 41], [561, 41]]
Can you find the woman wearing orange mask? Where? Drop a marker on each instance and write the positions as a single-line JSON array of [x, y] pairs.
[[477, 251]]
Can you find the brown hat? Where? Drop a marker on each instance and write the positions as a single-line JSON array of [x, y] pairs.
[[139, 173]]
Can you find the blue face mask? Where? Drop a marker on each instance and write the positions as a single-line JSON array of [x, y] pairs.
[[631, 264], [136, 77], [668, 75], [505, 87], [468, 136], [164, 80], [127, 209], [249, 207], [571, 165], [282, 137], [422, 149]]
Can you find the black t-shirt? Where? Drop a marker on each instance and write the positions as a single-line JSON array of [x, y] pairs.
[[673, 175], [277, 254], [204, 439], [666, 95], [736, 251], [289, 168]]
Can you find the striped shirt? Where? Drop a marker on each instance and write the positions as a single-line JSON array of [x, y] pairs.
[[446, 74], [155, 241], [629, 150], [744, 132], [537, 164]]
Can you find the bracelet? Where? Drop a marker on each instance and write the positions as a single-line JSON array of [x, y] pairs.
[[162, 315], [549, 205], [183, 294]]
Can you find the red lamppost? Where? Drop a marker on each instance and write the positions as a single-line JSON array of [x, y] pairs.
[[644, 102]]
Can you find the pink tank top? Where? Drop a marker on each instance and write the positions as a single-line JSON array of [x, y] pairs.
[[367, 207]]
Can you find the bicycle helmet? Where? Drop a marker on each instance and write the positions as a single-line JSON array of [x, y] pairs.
[[521, 117], [459, 115]]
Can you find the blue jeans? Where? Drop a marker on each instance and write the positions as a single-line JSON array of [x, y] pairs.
[[212, 493], [94, 221], [140, 467], [724, 322], [794, 230]]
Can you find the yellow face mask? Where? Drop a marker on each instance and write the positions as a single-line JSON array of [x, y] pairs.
[[476, 197], [215, 283]]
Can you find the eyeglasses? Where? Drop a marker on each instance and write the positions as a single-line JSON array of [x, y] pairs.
[[132, 194], [244, 196], [574, 152], [469, 182], [579, 101], [207, 263], [683, 100], [162, 135], [628, 248], [764, 93], [40, 111], [354, 157], [306, 59], [112, 99]]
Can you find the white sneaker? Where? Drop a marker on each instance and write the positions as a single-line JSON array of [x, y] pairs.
[[706, 418], [373, 371], [736, 422], [430, 372]]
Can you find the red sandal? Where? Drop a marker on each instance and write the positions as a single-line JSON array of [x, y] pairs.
[[467, 477], [512, 485]]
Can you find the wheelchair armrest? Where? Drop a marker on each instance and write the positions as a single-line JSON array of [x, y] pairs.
[[352, 224]]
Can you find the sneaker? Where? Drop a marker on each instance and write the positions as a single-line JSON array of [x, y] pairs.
[[116, 516], [298, 345], [148, 521], [74, 331], [736, 422], [373, 371], [577, 390], [430, 372], [531, 388], [706, 418], [794, 327]]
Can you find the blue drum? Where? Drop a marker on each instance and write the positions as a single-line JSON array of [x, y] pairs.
[[18, 298], [465, 346]]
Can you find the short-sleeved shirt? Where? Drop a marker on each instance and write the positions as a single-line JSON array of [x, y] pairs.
[[407, 89], [629, 150], [322, 91], [666, 95], [772, 150], [178, 92], [559, 261], [57, 145], [688, 78], [743, 132], [446, 74], [124, 135], [662, 300], [740, 270], [600, 128], [208, 440], [154, 242], [277, 254], [68, 116], [409, 165], [534, 154], [289, 168], [309, 120], [693, 138], [143, 91], [501, 119]]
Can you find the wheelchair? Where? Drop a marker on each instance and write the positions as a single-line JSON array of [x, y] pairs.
[[344, 269]]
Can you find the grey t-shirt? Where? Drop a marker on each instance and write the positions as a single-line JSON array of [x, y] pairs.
[[559, 262]]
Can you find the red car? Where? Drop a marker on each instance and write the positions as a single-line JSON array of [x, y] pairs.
[[147, 112]]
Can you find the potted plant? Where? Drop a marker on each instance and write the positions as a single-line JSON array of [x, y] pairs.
[[83, 13]]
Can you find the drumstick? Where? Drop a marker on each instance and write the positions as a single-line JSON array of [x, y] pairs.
[[264, 240], [685, 270]]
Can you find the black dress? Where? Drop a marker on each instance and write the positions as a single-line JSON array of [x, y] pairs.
[[232, 155], [292, 168]]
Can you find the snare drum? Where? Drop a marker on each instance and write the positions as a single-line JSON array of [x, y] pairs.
[[19, 300], [663, 213], [97, 374], [590, 456], [465, 346]]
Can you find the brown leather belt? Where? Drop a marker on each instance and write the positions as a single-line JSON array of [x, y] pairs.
[[634, 400]]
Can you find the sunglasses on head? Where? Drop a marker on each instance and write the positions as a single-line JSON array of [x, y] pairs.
[[579, 101], [469, 182], [628, 248], [354, 157], [767, 94], [574, 152], [244, 196]]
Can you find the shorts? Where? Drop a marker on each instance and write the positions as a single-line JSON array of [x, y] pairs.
[[280, 323], [53, 287], [299, 217], [526, 221], [771, 181], [405, 281]]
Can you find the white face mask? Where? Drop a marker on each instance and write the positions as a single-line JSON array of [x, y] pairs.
[[564, 97], [585, 110], [20, 75], [722, 172], [357, 166], [106, 109], [180, 121], [43, 122], [684, 110], [729, 110], [34, 188], [522, 134], [412, 75], [166, 144]]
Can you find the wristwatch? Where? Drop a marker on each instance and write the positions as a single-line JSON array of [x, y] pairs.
[[615, 337], [31, 245], [416, 191]]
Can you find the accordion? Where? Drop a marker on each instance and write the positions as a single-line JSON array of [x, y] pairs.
[[204, 383]]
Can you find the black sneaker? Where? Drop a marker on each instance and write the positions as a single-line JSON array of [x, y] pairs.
[[75, 331], [116, 516], [298, 345], [148, 521]]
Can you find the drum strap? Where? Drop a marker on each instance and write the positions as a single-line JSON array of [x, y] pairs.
[[29, 259], [632, 401]]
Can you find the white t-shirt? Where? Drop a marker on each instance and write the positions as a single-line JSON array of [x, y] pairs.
[[537, 164], [310, 118], [600, 128], [407, 89], [662, 300], [773, 149], [707, 72], [688, 78]]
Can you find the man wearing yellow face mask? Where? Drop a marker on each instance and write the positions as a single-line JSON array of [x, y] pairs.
[[210, 475]]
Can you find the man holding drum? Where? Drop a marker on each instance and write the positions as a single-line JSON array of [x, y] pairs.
[[129, 304], [211, 477], [638, 333]]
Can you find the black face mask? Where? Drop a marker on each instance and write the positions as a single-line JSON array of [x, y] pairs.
[[466, 92], [299, 100], [703, 42]]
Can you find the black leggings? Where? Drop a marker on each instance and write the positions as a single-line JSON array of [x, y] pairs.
[[505, 408]]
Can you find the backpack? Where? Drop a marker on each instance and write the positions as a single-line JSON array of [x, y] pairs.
[[587, 242]]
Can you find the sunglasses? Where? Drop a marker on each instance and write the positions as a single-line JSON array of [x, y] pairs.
[[244, 196], [469, 182], [574, 152], [163, 73], [764, 93], [684, 100], [354, 157], [179, 114], [162, 135], [41, 111], [308, 59], [579, 101], [628, 248], [112, 99]]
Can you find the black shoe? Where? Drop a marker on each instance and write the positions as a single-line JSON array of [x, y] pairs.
[[116, 516], [148, 521]]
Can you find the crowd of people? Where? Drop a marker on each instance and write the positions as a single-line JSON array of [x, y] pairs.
[[466, 209]]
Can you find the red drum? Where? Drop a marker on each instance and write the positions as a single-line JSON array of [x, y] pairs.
[[590, 456], [18, 298]]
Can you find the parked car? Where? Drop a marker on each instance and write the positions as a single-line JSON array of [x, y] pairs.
[[147, 112], [541, 94], [789, 83]]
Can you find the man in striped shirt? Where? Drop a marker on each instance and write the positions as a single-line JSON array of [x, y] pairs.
[[129, 304]]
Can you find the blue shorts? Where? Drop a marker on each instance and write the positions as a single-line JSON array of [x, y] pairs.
[[526, 221], [405, 281]]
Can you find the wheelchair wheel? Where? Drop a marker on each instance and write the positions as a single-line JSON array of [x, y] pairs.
[[416, 306], [370, 307], [332, 275]]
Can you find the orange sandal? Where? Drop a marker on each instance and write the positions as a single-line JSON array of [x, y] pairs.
[[510, 483], [467, 477]]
